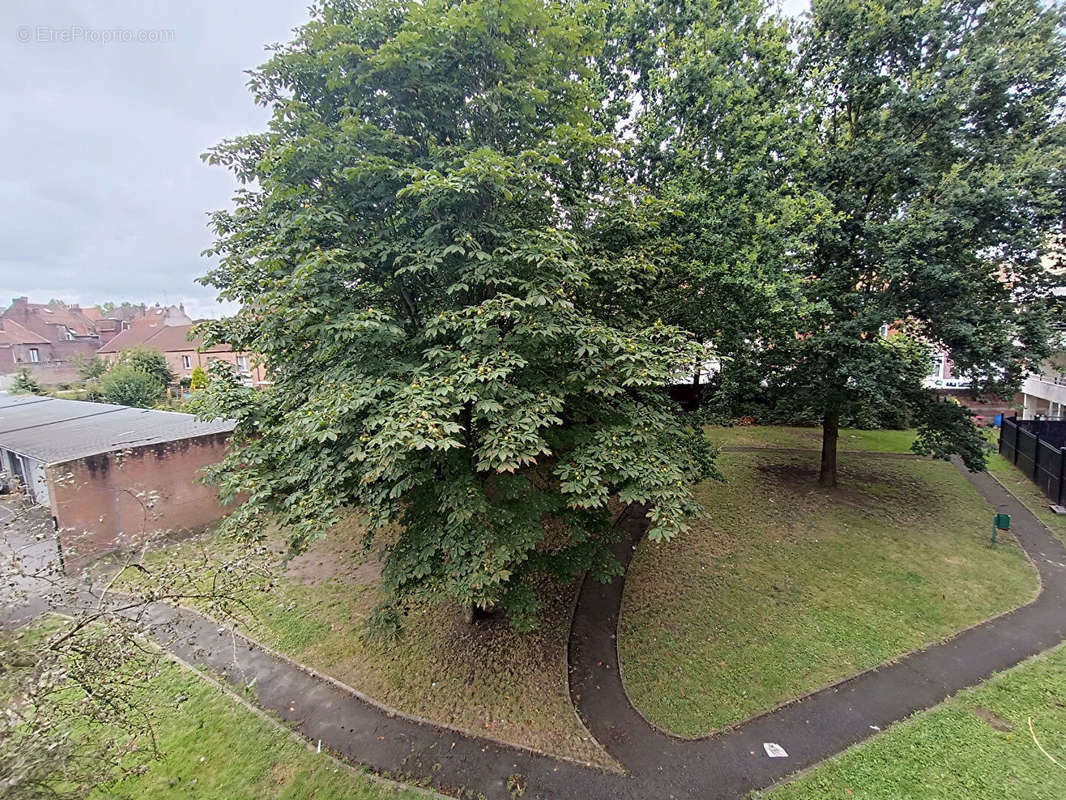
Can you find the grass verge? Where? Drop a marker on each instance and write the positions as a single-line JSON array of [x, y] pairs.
[[483, 678], [214, 748], [976, 746], [1028, 494], [785, 587]]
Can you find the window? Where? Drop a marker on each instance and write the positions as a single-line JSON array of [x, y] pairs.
[[242, 363], [35, 355], [884, 331], [186, 362], [937, 370]]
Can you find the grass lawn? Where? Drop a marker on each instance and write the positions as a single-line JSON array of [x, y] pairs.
[[1028, 493], [809, 438], [976, 746], [216, 749], [786, 587], [482, 678]]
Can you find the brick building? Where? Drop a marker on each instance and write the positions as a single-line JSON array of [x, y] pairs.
[[20, 347], [62, 334], [110, 475], [182, 353]]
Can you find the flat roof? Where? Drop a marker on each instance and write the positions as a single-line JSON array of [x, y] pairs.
[[51, 430]]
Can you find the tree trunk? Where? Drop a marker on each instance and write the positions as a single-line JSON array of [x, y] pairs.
[[827, 475]]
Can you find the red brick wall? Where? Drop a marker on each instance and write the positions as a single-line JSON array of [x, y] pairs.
[[986, 409], [96, 504]]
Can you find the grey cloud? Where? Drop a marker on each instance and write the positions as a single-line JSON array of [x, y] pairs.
[[102, 193]]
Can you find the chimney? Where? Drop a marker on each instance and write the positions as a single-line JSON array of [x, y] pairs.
[[20, 309]]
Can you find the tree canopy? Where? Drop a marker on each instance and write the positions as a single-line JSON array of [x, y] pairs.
[[479, 239], [936, 140], [436, 263], [150, 362], [718, 133]]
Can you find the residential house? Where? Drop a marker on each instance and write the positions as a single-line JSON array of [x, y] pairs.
[[61, 335], [112, 322], [183, 354], [158, 316], [21, 347]]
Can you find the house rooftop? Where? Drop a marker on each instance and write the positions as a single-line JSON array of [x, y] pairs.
[[13, 333], [69, 317], [52, 431], [165, 338], [131, 337]]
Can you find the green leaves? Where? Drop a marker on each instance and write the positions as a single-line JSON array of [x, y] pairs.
[[934, 142], [436, 265]]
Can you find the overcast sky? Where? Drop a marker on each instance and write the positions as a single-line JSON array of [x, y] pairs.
[[102, 193]]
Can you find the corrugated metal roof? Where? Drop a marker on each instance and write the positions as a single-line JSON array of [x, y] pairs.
[[51, 430]]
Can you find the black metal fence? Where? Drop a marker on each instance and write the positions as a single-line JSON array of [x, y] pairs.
[[1035, 447]]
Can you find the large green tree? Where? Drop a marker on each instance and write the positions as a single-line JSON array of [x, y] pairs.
[[718, 134], [434, 255], [934, 134]]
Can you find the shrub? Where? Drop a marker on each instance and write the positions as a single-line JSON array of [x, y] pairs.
[[127, 386]]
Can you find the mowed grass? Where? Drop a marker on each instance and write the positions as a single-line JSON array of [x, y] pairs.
[[809, 438], [785, 587], [483, 678], [214, 748], [977, 746], [1028, 494]]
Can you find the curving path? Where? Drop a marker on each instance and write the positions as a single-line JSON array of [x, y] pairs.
[[726, 765], [731, 763]]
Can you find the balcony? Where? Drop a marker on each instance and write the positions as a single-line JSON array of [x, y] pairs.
[[1051, 388]]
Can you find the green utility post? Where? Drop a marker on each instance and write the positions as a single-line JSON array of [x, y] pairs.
[[1000, 522]]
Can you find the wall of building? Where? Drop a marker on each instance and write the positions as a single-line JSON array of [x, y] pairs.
[[110, 502], [53, 373], [177, 360], [985, 409]]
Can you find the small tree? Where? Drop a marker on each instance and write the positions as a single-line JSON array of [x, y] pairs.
[[91, 368], [198, 379], [151, 362], [127, 386], [25, 383]]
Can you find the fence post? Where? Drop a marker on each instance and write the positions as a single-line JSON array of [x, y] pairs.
[[1036, 460], [1015, 423], [1062, 474]]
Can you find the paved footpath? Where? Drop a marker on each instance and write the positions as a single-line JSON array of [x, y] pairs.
[[732, 763], [727, 765]]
